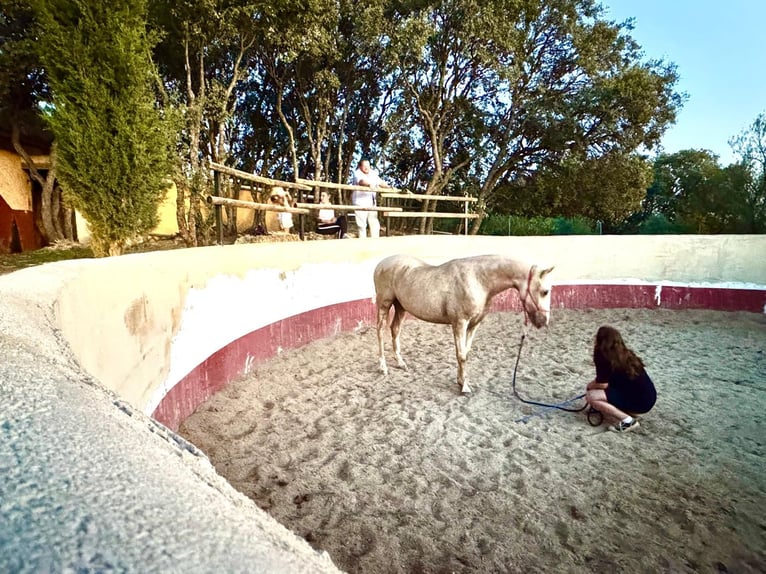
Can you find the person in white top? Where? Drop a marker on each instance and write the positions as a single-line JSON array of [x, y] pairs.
[[279, 222], [367, 176], [327, 223]]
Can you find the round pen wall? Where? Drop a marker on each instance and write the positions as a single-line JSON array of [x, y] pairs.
[[167, 330]]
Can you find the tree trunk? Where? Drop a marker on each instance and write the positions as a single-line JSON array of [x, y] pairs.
[[48, 214], [476, 223], [187, 184], [70, 228]]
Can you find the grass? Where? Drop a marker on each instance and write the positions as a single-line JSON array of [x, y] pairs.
[[10, 262], [14, 261]]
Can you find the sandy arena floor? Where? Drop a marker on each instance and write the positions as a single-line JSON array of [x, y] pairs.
[[403, 474]]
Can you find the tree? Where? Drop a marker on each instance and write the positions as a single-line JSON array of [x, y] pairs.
[[691, 192], [331, 91], [299, 64], [204, 58], [112, 139], [677, 178], [750, 145], [23, 90], [497, 99], [443, 53], [607, 188], [717, 204]]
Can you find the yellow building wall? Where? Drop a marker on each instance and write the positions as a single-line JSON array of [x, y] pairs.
[[245, 217], [166, 214], [15, 186]]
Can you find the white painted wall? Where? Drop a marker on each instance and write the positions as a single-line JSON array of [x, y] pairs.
[[140, 323]]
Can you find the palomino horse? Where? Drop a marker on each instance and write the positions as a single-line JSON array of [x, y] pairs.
[[458, 293]]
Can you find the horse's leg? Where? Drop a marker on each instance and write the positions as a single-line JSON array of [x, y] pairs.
[[460, 332], [396, 327], [470, 332], [383, 308]]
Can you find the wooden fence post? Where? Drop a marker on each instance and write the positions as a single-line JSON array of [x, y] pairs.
[[218, 207]]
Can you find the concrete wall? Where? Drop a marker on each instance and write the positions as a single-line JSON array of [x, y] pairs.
[[91, 348], [172, 328]]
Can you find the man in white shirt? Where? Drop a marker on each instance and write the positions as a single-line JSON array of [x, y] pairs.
[[365, 175]]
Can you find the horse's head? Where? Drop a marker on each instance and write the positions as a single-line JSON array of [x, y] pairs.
[[536, 296]]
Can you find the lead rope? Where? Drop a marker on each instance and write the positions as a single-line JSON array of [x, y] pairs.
[[547, 405], [595, 418]]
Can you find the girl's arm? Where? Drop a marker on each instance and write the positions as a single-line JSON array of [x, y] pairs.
[[595, 385]]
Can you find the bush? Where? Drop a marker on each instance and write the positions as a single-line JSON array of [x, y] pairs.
[[515, 225], [659, 225], [114, 145], [576, 226]]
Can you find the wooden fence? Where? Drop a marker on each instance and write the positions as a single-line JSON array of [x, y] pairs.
[[386, 195]]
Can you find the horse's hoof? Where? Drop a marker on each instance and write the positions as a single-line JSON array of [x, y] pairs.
[[466, 390]]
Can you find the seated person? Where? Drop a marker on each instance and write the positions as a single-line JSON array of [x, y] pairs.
[[327, 223], [622, 387], [280, 222]]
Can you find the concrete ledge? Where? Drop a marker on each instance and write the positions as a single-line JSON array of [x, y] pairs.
[[93, 348], [158, 316]]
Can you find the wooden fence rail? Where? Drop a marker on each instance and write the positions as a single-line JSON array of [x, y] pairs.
[[431, 214], [344, 207], [395, 195], [386, 194], [344, 186], [215, 200], [239, 174], [301, 208]]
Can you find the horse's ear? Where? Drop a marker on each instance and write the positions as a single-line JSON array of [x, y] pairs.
[[545, 272]]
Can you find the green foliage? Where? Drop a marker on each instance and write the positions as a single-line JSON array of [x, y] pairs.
[[16, 261], [496, 224], [750, 145], [606, 188], [22, 80], [573, 226], [692, 193], [538, 112], [676, 177], [658, 224], [113, 141]]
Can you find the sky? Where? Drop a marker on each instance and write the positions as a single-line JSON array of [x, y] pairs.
[[719, 48]]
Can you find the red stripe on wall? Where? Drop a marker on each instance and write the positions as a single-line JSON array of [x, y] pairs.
[[752, 300], [603, 296], [228, 363]]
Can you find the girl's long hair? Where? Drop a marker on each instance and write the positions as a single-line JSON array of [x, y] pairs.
[[610, 352]]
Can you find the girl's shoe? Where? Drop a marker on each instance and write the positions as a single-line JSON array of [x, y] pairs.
[[625, 427]]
